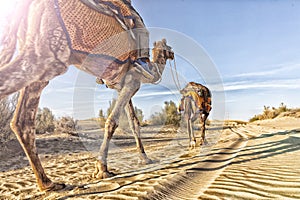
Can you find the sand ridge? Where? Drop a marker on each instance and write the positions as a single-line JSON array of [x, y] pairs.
[[254, 161]]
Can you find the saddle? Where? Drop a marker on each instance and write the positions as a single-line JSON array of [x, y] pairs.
[[97, 28], [199, 94]]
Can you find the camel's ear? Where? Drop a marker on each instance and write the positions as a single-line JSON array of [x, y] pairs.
[[164, 40], [154, 44]]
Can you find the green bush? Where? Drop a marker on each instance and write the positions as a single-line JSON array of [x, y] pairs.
[[168, 116], [44, 121]]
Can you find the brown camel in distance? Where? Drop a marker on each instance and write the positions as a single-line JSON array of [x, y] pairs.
[[195, 104], [43, 53]]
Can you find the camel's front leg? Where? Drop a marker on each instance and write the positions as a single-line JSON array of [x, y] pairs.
[[191, 134], [131, 85], [23, 125], [101, 170], [135, 127]]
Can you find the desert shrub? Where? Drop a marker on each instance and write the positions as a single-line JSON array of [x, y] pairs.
[[44, 121], [101, 119], [123, 120], [111, 106], [7, 108], [168, 116], [270, 113], [139, 114], [282, 108], [255, 118], [158, 118], [172, 116], [66, 125]]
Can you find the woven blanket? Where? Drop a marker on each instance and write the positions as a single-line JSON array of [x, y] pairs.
[[94, 33], [200, 95]]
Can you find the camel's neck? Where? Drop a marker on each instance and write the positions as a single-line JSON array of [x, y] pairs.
[[159, 68]]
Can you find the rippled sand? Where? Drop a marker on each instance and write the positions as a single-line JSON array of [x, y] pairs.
[[255, 161]]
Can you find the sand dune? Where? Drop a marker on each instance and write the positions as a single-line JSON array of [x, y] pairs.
[[254, 161]]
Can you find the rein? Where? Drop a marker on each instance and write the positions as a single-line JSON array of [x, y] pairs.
[[174, 73]]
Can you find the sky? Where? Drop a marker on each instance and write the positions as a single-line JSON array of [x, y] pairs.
[[246, 52]]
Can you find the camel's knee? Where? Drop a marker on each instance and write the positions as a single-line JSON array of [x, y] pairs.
[[25, 132], [14, 127], [110, 127]]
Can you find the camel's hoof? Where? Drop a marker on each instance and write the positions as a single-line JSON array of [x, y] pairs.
[[203, 142], [54, 187], [193, 144], [146, 161], [103, 175]]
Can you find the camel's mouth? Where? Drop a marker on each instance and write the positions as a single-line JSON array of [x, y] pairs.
[[170, 54], [162, 50]]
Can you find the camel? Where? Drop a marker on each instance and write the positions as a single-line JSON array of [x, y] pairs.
[[35, 50], [195, 103]]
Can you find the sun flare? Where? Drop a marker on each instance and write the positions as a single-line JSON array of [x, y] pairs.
[[6, 7]]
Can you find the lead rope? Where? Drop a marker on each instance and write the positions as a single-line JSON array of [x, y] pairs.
[[176, 81]]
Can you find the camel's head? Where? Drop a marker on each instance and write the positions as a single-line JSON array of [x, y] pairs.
[[161, 52]]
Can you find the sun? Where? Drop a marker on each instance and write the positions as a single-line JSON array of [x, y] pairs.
[[6, 6]]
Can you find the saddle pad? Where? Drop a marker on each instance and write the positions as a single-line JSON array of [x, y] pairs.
[[200, 95], [94, 33]]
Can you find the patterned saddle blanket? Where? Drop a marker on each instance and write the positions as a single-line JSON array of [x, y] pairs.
[[95, 33], [199, 94]]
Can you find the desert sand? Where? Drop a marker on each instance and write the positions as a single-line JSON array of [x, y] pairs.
[[259, 160]]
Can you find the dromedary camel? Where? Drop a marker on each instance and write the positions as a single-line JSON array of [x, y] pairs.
[[195, 103], [36, 48]]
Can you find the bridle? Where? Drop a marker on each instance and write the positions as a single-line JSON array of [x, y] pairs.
[[166, 52], [174, 73]]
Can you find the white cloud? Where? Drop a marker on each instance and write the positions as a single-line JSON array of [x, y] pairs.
[[273, 70], [156, 93], [268, 84]]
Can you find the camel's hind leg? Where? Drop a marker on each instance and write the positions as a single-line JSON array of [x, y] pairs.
[[203, 118], [23, 125], [135, 127]]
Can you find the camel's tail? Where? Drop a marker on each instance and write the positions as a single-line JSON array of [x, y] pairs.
[[10, 34]]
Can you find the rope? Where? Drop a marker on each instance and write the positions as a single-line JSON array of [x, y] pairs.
[[176, 81]]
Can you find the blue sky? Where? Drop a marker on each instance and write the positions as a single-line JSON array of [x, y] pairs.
[[246, 52]]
